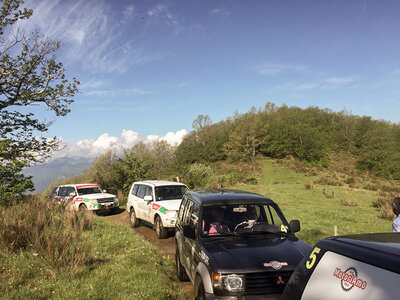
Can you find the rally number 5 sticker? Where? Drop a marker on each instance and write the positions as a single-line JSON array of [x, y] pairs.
[[313, 257]]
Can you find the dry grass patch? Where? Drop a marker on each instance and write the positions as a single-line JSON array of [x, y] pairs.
[[52, 234], [348, 202]]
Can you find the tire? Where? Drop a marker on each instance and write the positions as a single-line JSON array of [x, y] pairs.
[[162, 233], [180, 270], [200, 292], [82, 207], [135, 222]]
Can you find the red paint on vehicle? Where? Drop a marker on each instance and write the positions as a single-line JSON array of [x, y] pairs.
[[86, 185], [155, 206]]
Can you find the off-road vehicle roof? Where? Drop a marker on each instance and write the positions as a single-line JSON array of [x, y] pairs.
[[382, 249], [226, 196], [155, 183]]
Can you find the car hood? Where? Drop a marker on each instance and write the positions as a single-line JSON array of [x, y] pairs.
[[169, 204], [249, 254], [98, 196]]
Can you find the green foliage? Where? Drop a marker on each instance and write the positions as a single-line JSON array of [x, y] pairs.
[[247, 138], [198, 175], [29, 76], [310, 135]]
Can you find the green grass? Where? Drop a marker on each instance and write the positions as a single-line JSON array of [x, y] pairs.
[[318, 214], [122, 266]]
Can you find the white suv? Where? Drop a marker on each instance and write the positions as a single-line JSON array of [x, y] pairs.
[[155, 202], [85, 196]]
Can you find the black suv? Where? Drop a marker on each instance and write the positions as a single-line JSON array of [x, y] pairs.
[[364, 266], [234, 244]]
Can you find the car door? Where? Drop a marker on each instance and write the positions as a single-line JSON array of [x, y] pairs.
[[190, 245], [132, 196], [143, 205]]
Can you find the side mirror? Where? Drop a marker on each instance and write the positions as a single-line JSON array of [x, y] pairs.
[[294, 225], [148, 198], [104, 191], [188, 231], [72, 194]]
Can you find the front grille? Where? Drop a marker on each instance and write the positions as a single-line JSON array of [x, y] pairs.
[[105, 200], [267, 282]]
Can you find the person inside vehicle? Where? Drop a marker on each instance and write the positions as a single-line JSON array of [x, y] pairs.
[[396, 211], [218, 225]]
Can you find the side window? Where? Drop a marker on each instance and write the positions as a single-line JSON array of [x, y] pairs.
[[148, 191], [187, 213], [70, 190], [63, 191], [272, 215], [141, 191], [182, 208], [194, 216], [135, 189]]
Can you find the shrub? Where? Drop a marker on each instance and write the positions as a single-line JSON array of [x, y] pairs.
[[251, 180], [328, 194], [385, 207], [47, 230], [309, 185], [198, 175], [348, 202]]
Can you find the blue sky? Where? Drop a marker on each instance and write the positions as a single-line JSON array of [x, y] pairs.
[[148, 68]]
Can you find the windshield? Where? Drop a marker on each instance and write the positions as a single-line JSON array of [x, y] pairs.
[[170, 192], [89, 190], [241, 219]]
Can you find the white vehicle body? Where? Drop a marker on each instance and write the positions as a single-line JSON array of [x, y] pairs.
[[155, 199], [85, 196]]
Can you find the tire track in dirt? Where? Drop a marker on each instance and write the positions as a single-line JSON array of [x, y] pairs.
[[166, 247]]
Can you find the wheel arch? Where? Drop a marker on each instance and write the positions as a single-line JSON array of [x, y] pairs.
[[202, 275]]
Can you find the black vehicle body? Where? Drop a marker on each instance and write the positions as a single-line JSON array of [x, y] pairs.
[[365, 266], [263, 261]]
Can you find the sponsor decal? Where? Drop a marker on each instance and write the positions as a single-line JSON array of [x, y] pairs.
[[349, 279], [85, 200], [156, 206], [86, 185], [204, 257], [275, 264], [78, 199]]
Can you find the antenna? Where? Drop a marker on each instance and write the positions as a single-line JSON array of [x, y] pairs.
[[222, 188]]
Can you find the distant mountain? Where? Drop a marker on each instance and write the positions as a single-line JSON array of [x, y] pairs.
[[59, 168]]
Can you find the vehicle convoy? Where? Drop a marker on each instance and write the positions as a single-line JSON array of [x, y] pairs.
[[155, 202], [84, 196], [365, 266], [233, 244]]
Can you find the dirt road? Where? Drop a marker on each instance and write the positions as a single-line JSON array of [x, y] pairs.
[[165, 246]]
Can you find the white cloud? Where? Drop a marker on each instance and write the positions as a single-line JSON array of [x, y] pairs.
[[220, 11], [174, 138], [92, 148], [117, 92], [340, 80], [272, 69]]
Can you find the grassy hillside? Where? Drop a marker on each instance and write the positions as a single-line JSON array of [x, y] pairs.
[[319, 207], [122, 266]]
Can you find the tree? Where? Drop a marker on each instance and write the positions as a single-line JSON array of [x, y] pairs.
[[247, 138], [29, 76], [201, 121]]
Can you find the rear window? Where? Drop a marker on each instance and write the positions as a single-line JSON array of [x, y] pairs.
[[89, 190], [170, 192]]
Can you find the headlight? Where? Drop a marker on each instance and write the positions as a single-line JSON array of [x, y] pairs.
[[231, 283], [171, 213]]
